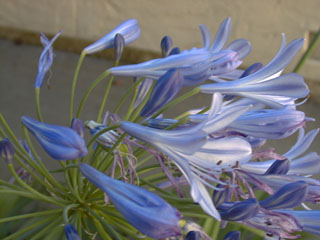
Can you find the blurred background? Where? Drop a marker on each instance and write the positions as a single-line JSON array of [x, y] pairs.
[[83, 22]]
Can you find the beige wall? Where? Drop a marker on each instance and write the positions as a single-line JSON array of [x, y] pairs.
[[262, 22]]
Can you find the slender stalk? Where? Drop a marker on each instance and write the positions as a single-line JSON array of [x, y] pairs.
[[215, 230], [125, 96], [37, 95], [106, 94], [90, 89], [28, 228], [309, 51], [33, 191], [46, 229], [74, 83], [30, 215], [66, 210]]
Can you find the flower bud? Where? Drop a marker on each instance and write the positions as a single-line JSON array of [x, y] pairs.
[[71, 232], [78, 126], [193, 235], [6, 150], [241, 211], [289, 196], [61, 143], [119, 44], [166, 44], [165, 89], [174, 51], [234, 235], [144, 210], [279, 167]]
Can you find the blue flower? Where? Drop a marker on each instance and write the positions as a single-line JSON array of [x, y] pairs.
[[310, 220], [61, 143], [198, 156], [6, 150], [300, 164], [71, 232], [129, 30], [265, 85], [166, 44], [165, 89], [234, 235], [240, 211], [144, 210], [196, 65], [46, 58]]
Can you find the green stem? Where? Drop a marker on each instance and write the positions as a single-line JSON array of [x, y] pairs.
[[33, 191], [125, 96], [30, 215], [74, 83], [28, 228], [90, 89], [37, 94], [44, 230], [66, 210], [106, 94], [309, 51], [107, 226], [215, 230]]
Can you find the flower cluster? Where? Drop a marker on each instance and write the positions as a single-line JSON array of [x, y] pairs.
[[144, 175]]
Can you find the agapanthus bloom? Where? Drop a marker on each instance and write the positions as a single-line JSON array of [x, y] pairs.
[[46, 58], [143, 209], [196, 65], [6, 150], [197, 155], [129, 30], [265, 85], [71, 232], [61, 143]]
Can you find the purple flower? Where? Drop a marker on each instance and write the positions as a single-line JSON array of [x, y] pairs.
[[197, 156], [6, 150], [78, 126], [310, 220], [239, 211], [300, 164], [61, 143], [265, 85], [196, 65], [165, 89], [166, 44], [234, 235], [129, 29], [46, 58], [144, 210], [71, 232]]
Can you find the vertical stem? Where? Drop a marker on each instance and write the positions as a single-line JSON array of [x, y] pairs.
[[309, 51], [74, 83], [37, 94], [104, 100]]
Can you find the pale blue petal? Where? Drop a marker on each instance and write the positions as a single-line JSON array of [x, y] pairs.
[[222, 35]]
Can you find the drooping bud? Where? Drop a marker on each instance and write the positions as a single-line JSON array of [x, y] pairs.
[[78, 126], [165, 89], [174, 51], [119, 44], [61, 143], [241, 211], [129, 29], [6, 150], [143, 209], [144, 87], [234, 235], [220, 197], [289, 196], [107, 139], [71, 232], [252, 69], [279, 167], [166, 44]]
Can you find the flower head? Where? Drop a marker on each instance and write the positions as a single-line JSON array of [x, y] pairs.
[[61, 143], [46, 58], [144, 210], [129, 30], [196, 65]]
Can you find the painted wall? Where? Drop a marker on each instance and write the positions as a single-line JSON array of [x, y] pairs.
[[262, 22]]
